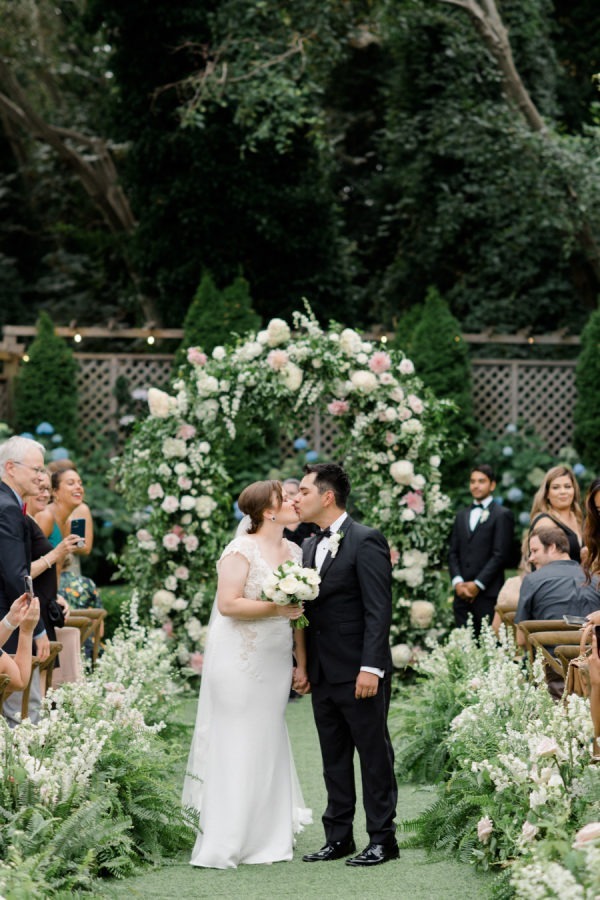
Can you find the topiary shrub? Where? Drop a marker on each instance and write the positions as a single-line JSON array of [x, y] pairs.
[[441, 358], [587, 407], [215, 315], [46, 386]]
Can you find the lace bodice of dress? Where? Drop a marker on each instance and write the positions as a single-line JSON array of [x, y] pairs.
[[259, 567]]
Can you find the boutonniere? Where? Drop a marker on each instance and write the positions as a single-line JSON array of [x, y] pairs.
[[485, 514], [334, 543]]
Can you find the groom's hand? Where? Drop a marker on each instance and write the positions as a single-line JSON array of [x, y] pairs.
[[367, 685], [300, 682]]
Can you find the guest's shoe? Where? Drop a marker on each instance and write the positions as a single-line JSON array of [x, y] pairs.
[[375, 854], [332, 850]]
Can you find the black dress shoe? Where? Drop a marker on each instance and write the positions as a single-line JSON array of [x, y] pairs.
[[331, 850], [375, 854]]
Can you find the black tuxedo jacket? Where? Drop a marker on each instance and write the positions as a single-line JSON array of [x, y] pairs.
[[350, 619], [15, 557], [482, 554]]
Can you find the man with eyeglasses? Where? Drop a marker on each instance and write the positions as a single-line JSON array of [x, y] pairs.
[[21, 464]]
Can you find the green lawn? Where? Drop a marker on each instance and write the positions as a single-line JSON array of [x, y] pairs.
[[414, 876]]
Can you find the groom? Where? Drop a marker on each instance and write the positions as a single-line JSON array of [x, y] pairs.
[[349, 666]]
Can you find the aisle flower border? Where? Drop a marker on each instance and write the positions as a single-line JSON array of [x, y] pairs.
[[517, 792], [392, 437]]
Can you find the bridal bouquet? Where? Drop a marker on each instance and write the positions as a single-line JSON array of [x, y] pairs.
[[292, 583]]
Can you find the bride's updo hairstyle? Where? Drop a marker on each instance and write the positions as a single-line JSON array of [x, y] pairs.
[[257, 497]]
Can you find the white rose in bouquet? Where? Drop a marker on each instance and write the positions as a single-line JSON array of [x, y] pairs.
[[292, 583], [289, 585], [159, 403]]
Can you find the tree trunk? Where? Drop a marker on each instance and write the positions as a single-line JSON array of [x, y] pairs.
[[488, 23], [96, 171]]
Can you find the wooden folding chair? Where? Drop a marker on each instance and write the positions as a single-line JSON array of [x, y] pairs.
[[84, 623], [97, 617], [46, 668], [566, 653], [544, 641], [4, 683], [507, 616], [533, 626]]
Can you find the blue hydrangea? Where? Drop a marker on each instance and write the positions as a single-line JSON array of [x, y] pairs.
[[499, 499], [27, 434], [515, 495], [239, 515], [44, 428], [524, 518], [579, 469], [300, 444], [311, 456], [59, 453], [56, 438], [507, 451]]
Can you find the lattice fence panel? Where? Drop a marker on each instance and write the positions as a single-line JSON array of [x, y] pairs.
[[4, 404], [493, 395], [540, 393], [547, 397], [96, 381], [319, 430]]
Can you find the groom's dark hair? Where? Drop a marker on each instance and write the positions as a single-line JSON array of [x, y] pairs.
[[330, 477]]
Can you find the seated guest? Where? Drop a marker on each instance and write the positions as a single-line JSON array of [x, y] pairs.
[[594, 670], [23, 615], [508, 598], [552, 589], [589, 604], [557, 503], [45, 561]]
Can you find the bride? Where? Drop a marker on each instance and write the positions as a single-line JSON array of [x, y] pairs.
[[241, 775]]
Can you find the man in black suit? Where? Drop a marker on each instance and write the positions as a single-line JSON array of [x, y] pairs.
[[21, 463], [480, 546], [349, 666]]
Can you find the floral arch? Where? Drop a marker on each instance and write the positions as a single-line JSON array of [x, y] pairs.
[[391, 436]]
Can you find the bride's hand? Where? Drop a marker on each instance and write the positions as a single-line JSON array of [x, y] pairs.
[[291, 610]]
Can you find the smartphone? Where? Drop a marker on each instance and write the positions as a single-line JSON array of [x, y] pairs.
[[29, 588], [575, 620], [78, 528], [597, 630]]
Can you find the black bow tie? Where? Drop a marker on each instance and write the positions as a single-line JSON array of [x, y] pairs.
[[476, 505], [322, 533]]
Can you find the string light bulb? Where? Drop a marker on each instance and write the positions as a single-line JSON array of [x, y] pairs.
[[77, 337], [150, 339], [25, 357]]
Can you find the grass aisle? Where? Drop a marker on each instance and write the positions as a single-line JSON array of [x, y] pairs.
[[413, 877]]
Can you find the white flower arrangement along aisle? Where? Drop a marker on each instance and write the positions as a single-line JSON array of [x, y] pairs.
[[391, 439], [518, 792]]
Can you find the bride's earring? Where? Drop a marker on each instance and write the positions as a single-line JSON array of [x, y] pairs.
[[272, 518]]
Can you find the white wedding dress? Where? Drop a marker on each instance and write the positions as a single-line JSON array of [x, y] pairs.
[[241, 774]]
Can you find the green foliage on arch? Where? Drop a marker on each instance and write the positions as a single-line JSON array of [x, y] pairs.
[[391, 440]]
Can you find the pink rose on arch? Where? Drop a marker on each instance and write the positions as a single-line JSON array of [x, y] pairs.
[[196, 661], [386, 378], [278, 359], [184, 482], [380, 362], [415, 404], [390, 438], [406, 367], [186, 431], [171, 541], [404, 414], [155, 491], [394, 556], [338, 407], [196, 357], [167, 627], [191, 543], [143, 535], [178, 530], [414, 500], [182, 572]]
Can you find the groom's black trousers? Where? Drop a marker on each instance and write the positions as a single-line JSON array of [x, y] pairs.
[[345, 724]]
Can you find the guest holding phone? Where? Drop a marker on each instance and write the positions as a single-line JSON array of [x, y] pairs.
[[55, 522]]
